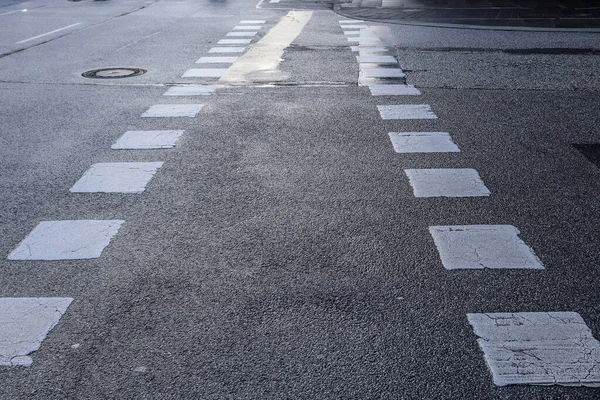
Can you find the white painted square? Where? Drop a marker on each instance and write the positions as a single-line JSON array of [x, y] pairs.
[[173, 110], [226, 49], [247, 28], [406, 111], [394, 90], [24, 324], [190, 90], [538, 348], [423, 142], [368, 49], [234, 41], [483, 246], [382, 73], [216, 60], [241, 34], [446, 182], [363, 39], [146, 140], [66, 240], [119, 177], [204, 73], [377, 59], [252, 21]]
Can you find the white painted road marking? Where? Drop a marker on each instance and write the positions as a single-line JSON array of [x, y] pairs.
[[145, 140], [250, 21], [538, 348], [351, 26], [66, 240], [192, 90], [234, 41], [368, 49], [350, 21], [241, 34], [13, 12], [227, 50], [382, 73], [446, 182], [406, 111], [247, 28], [394, 90], [48, 33], [483, 246], [363, 39], [423, 142], [24, 324], [377, 59], [204, 73], [173, 110], [261, 62], [216, 60], [118, 177]]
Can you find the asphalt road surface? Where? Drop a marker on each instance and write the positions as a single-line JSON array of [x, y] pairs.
[[277, 242]]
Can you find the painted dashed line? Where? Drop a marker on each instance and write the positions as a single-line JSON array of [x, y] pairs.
[[173, 110], [66, 240], [483, 246], [382, 73], [119, 177], [406, 111], [216, 60], [250, 21], [247, 27], [376, 59], [423, 142], [24, 324], [446, 182], [204, 73], [190, 90], [394, 90], [147, 140], [234, 41], [241, 34], [227, 50], [538, 348]]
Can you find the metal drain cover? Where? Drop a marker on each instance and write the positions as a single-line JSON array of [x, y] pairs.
[[113, 73]]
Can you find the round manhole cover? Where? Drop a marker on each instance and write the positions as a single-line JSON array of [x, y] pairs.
[[113, 73]]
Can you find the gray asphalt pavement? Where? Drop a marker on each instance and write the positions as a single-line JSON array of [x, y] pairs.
[[279, 252]]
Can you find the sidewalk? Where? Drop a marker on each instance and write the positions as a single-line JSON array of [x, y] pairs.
[[574, 14]]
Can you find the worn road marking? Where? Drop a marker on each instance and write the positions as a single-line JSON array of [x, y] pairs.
[[118, 177], [355, 26], [351, 21], [250, 21], [25, 323], [483, 246], [363, 39], [377, 59], [49, 33], [261, 62], [173, 110], [145, 140], [241, 34], [216, 60], [234, 41], [226, 50], [204, 73], [406, 111], [394, 90], [368, 49], [423, 142], [446, 182], [538, 348], [66, 240], [247, 27], [13, 12], [192, 90], [382, 73]]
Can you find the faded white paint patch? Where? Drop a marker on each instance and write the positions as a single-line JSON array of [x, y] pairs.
[[483, 246], [363, 39], [423, 142], [261, 62], [234, 41], [394, 90], [446, 182], [368, 49], [252, 21], [191, 90], [382, 73], [241, 34], [204, 73], [361, 33], [66, 240], [538, 348], [145, 140], [350, 21], [119, 177], [173, 110], [227, 50], [377, 59], [24, 324], [216, 60], [406, 111], [247, 28], [355, 26]]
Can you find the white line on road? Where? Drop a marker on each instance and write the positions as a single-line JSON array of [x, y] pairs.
[[446, 182], [204, 73], [13, 12], [423, 142], [48, 33], [118, 177], [406, 111], [173, 110]]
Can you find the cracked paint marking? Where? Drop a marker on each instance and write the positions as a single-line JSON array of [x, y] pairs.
[[423, 142], [538, 348], [145, 140], [24, 324], [483, 246], [406, 111], [67, 240], [120, 177]]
